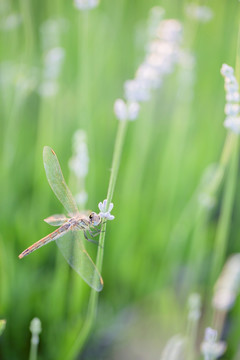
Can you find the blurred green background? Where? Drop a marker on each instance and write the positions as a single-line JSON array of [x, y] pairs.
[[158, 249]]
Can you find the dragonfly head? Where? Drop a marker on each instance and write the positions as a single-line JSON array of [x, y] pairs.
[[95, 219]]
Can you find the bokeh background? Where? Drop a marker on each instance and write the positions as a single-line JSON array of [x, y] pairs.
[[161, 245]]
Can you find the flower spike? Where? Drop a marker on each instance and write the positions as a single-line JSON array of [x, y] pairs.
[[104, 212]]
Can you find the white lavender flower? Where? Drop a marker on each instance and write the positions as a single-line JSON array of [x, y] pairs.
[[200, 13], [162, 64], [126, 111], [104, 212], [149, 75], [228, 285], [160, 47], [232, 97], [170, 30], [210, 347], [136, 90], [86, 4], [35, 328], [232, 107], [226, 70], [233, 123], [161, 56]]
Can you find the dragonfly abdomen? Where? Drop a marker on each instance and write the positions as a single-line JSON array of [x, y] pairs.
[[53, 236]]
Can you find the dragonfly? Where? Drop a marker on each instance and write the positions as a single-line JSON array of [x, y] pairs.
[[68, 234]]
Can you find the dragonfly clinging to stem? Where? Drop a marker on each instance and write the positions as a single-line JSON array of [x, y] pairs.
[[67, 235]]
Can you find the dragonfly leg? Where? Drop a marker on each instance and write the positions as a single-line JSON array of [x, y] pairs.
[[94, 232], [88, 239]]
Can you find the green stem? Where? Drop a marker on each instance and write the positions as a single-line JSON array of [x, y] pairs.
[[28, 28], [93, 301], [226, 211], [192, 330], [33, 348], [230, 153]]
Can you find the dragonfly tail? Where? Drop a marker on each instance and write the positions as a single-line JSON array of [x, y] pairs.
[[53, 236], [34, 247]]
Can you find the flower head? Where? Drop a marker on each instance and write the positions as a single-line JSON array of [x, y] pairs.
[[35, 326], [210, 348], [104, 212], [162, 53], [86, 4], [226, 70], [232, 107], [126, 111], [200, 13], [228, 285], [136, 90]]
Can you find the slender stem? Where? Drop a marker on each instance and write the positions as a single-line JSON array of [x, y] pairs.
[[230, 154], [28, 28], [92, 306], [116, 159], [226, 211], [192, 338], [33, 350]]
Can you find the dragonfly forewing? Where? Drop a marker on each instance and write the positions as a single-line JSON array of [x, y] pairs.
[[57, 182], [73, 250]]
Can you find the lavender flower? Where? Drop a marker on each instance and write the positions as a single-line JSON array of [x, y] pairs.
[[200, 13], [228, 285], [104, 212], [86, 4], [210, 348], [232, 107], [126, 111], [163, 52]]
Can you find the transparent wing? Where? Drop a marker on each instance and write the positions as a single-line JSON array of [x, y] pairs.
[[73, 250], [56, 180], [56, 220]]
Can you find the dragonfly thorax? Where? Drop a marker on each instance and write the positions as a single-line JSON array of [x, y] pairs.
[[83, 222]]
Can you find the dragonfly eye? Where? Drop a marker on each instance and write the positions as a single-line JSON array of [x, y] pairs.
[[95, 219]]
